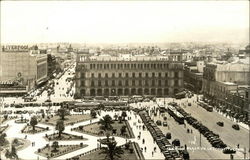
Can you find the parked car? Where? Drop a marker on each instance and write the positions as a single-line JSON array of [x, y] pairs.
[[236, 127], [168, 135], [165, 124], [158, 122], [220, 124], [176, 142]]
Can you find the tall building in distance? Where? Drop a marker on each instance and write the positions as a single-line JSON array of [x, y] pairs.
[[123, 76]]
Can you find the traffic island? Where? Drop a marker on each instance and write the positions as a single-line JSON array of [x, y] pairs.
[[69, 120], [95, 129], [56, 150], [63, 137], [30, 130]]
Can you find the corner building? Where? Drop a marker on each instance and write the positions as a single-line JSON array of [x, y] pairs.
[[112, 76]]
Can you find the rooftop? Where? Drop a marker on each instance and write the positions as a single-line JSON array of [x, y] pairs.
[[127, 57]]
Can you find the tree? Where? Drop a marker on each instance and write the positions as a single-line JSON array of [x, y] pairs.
[[33, 122], [62, 113], [2, 139], [124, 115], [55, 145], [120, 119], [112, 151], [101, 106], [123, 130], [106, 122], [11, 154], [115, 117], [43, 115], [93, 113], [6, 116], [60, 127]]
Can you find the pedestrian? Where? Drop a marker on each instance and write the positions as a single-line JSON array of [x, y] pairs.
[[145, 148], [185, 147], [191, 131], [238, 146], [143, 141], [152, 153], [25, 137]]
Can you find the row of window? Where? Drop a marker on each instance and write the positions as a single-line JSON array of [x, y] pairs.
[[127, 91], [176, 75], [131, 83], [130, 66]]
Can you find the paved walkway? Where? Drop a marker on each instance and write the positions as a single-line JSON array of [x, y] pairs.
[[14, 131]]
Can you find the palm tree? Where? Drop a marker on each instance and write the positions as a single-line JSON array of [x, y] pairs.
[[33, 122], [11, 154], [112, 151], [106, 122], [60, 127]]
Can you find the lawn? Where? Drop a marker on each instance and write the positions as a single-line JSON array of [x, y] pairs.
[[64, 137], [29, 129], [47, 151], [70, 119], [94, 129], [127, 155]]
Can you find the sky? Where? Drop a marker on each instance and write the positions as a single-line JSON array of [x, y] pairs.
[[124, 21]]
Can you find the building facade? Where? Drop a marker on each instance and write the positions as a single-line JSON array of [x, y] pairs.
[[221, 88], [118, 77], [192, 77], [20, 64]]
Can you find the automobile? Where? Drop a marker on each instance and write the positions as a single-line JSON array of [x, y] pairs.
[[236, 127], [18, 112], [176, 142], [168, 135], [165, 124], [158, 122], [229, 151], [18, 106], [220, 124]]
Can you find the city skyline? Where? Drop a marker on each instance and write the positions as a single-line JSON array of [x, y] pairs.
[[124, 22]]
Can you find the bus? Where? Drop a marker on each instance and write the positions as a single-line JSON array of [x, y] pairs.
[[206, 106], [175, 114]]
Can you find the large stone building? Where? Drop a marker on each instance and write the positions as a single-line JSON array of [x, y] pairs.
[[118, 76], [22, 65], [222, 86]]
